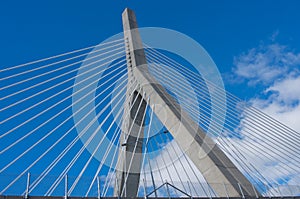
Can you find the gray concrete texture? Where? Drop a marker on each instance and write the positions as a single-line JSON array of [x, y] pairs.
[[214, 165]]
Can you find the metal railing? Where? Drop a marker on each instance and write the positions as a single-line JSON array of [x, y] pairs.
[[26, 187]]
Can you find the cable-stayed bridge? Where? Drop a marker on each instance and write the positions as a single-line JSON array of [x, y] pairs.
[[125, 119]]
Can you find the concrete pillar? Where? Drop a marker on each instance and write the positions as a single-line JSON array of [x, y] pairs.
[[215, 166], [131, 140]]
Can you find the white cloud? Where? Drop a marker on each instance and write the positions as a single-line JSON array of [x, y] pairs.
[[282, 102], [264, 64], [275, 69], [268, 162], [288, 89]]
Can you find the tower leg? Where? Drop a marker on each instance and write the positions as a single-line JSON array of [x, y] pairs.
[[212, 162]]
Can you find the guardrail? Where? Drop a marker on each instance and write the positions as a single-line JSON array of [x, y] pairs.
[[26, 187]]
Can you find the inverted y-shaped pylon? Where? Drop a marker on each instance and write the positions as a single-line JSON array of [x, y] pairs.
[[214, 165]]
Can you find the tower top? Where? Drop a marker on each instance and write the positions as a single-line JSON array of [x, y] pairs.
[[129, 15]]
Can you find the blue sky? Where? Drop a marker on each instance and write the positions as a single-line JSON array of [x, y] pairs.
[[255, 44], [226, 29], [34, 29]]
